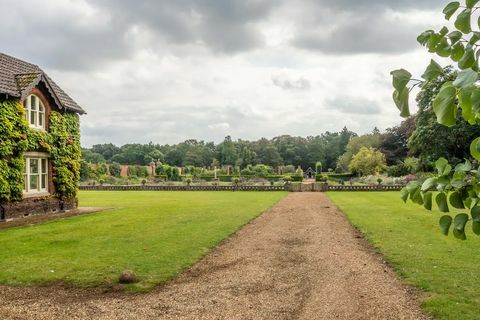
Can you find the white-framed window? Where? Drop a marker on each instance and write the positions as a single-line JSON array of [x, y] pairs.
[[35, 112], [35, 175]]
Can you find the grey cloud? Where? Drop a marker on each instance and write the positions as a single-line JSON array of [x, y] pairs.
[[353, 105], [369, 5], [287, 84], [172, 124], [361, 35], [66, 40], [355, 27]]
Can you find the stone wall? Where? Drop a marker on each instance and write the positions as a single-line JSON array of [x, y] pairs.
[[35, 206]]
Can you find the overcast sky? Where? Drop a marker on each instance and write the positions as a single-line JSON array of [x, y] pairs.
[[166, 71]]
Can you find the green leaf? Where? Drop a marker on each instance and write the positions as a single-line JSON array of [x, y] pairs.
[[456, 200], [476, 101], [450, 9], [433, 41], [454, 37], [471, 3], [475, 213], [475, 37], [468, 59], [404, 193], [463, 21], [458, 50], [427, 200], [401, 101], [401, 78], [429, 183], [425, 36], [466, 78], [442, 166], [464, 167], [433, 71], [444, 105], [474, 148], [465, 102], [459, 226], [445, 223], [441, 200], [443, 48], [476, 228], [416, 196]]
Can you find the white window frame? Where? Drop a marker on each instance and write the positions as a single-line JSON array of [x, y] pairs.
[[41, 175], [35, 112]]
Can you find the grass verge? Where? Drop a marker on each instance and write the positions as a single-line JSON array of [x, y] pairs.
[[410, 239], [156, 234]]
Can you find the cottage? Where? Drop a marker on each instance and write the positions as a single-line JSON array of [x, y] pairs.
[[39, 142]]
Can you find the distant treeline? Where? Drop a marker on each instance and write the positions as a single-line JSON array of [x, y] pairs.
[[305, 152]]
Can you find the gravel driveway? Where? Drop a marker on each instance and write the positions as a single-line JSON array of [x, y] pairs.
[[299, 260]]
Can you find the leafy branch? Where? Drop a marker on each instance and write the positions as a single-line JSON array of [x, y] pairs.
[[458, 187]]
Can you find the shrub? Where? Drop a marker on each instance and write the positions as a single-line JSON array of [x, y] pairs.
[[114, 169], [398, 170], [321, 178], [288, 169], [297, 178], [367, 161]]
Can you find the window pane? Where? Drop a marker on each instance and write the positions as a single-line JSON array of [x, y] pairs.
[[44, 165], [33, 103], [33, 117], [33, 166], [44, 181], [40, 119], [33, 182]]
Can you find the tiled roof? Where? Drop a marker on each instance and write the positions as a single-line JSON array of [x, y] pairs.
[[17, 77]]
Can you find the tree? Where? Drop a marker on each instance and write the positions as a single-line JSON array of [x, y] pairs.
[[394, 142], [457, 186], [432, 140], [367, 161], [92, 157], [354, 146], [228, 154]]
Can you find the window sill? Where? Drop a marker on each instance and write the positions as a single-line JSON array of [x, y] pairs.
[[38, 129], [36, 194]]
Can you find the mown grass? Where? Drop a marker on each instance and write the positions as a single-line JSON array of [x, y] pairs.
[[409, 237], [156, 234]]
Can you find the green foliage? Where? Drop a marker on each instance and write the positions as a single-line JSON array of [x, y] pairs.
[[354, 146], [64, 137], [13, 142], [458, 97], [318, 167], [321, 178], [367, 161], [114, 169]]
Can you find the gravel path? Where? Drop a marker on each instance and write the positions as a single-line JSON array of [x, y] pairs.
[[299, 260]]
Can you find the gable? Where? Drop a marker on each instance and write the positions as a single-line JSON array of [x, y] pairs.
[[18, 78]]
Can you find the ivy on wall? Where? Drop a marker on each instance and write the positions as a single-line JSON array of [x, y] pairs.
[[13, 143], [62, 142]]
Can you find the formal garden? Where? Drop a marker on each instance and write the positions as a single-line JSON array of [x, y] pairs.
[[410, 251]]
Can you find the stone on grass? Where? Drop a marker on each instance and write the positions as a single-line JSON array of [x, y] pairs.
[[128, 276]]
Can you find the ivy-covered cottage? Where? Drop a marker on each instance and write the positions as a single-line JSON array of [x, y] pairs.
[[39, 142]]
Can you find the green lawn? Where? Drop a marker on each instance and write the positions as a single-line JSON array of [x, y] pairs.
[[409, 237], [156, 234]]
